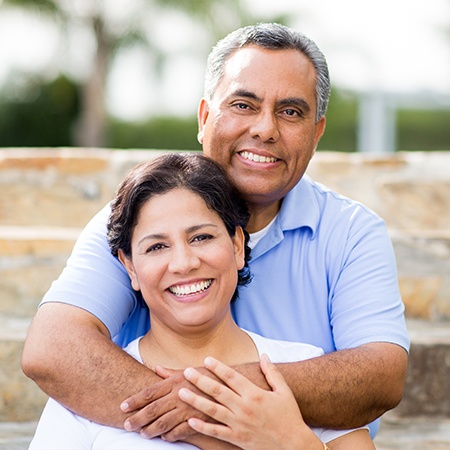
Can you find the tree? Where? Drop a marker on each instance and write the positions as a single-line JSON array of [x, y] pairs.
[[112, 29]]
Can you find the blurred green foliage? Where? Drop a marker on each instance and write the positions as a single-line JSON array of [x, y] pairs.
[[423, 130], [340, 130], [169, 133], [44, 114]]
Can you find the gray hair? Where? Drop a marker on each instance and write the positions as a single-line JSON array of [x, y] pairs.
[[271, 36]]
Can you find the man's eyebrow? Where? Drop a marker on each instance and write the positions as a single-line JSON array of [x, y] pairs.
[[293, 101], [246, 94], [296, 101]]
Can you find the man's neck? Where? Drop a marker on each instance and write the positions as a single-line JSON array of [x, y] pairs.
[[261, 216]]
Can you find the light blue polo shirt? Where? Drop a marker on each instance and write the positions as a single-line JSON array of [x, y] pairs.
[[324, 274]]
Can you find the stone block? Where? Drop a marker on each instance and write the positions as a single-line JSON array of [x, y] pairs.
[[20, 398], [423, 260], [30, 259], [428, 381]]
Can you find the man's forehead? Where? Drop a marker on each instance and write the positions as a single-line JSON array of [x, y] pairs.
[[252, 68]]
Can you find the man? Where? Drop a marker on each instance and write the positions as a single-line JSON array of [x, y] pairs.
[[323, 266]]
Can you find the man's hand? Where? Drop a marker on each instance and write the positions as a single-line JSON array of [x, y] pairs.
[[158, 411]]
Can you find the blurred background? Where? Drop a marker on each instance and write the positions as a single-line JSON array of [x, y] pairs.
[[129, 73]]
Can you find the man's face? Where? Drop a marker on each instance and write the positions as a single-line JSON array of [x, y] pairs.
[[260, 125]]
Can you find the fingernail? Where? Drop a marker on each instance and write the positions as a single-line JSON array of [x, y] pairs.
[[127, 426], [192, 422], [188, 373], [184, 393], [208, 361], [124, 406]]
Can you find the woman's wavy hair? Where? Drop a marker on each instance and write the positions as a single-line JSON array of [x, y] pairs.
[[159, 175]]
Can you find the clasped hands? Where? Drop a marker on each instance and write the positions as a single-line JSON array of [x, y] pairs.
[[218, 402]]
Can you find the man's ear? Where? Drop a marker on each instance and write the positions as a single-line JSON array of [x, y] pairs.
[[320, 129], [239, 247], [202, 115], [128, 264]]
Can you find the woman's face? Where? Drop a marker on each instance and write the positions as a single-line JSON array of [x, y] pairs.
[[184, 261]]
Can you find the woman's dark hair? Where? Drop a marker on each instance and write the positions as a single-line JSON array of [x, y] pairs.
[[159, 175]]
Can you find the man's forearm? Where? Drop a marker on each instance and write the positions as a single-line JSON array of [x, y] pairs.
[[344, 389], [68, 353]]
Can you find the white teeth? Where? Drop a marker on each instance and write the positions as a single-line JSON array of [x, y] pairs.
[[191, 289], [257, 158]]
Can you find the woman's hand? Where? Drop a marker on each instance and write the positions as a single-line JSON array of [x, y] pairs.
[[250, 417]]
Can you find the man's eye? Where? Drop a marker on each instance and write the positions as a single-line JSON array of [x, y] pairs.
[[292, 112], [242, 106]]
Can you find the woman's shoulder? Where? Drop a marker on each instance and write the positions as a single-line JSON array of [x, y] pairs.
[[284, 351]]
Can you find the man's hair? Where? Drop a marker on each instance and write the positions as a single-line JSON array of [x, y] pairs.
[[159, 175], [271, 36]]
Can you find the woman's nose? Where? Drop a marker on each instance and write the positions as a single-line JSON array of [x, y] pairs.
[[183, 260]]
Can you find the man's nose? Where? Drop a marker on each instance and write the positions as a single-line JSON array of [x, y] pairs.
[[265, 126]]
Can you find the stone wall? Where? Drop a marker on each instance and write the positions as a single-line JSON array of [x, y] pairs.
[[48, 195]]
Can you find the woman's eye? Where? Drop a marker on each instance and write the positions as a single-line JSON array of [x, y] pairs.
[[202, 237], [155, 248]]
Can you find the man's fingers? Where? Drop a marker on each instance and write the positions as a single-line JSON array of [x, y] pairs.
[[168, 426], [146, 396], [149, 414], [180, 433]]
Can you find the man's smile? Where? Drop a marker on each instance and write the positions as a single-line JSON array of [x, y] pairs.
[[257, 158]]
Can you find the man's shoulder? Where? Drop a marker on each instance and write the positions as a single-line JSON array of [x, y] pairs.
[[314, 205]]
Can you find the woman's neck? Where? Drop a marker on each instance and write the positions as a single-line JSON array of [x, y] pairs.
[[177, 350]]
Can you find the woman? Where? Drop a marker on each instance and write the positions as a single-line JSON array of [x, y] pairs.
[[177, 226]]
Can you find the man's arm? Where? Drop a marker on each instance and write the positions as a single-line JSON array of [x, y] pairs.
[[343, 389], [97, 375], [347, 388]]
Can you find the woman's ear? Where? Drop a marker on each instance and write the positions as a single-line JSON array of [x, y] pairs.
[[128, 264], [239, 247]]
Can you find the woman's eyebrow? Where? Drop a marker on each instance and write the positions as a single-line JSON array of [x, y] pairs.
[[154, 236], [192, 229], [199, 227]]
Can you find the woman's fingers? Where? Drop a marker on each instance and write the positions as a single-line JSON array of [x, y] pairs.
[[236, 383], [212, 409], [273, 376]]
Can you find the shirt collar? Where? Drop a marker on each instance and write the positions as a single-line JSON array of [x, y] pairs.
[[300, 207]]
